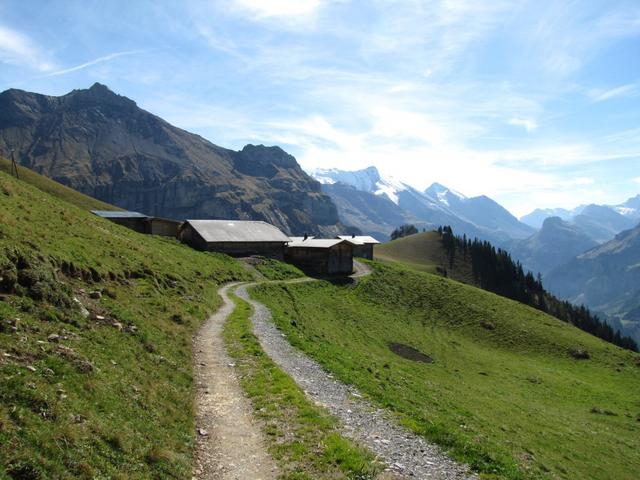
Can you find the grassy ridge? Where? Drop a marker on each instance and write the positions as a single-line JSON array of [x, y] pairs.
[[56, 189], [302, 437], [505, 392], [102, 390], [424, 252]]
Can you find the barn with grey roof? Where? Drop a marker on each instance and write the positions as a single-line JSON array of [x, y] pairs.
[[363, 245], [318, 255], [239, 238]]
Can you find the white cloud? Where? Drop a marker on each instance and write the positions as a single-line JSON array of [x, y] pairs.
[[18, 49], [96, 61], [279, 8], [623, 90], [528, 124], [637, 180]]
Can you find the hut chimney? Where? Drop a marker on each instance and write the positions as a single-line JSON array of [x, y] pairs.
[[305, 237], [353, 235]]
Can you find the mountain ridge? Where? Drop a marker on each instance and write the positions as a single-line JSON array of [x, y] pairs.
[[437, 205], [103, 145]]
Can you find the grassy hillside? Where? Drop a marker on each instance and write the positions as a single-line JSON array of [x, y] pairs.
[[510, 389], [56, 189], [96, 324], [424, 252]]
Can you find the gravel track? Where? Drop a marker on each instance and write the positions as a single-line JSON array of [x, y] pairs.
[[230, 444], [406, 454]]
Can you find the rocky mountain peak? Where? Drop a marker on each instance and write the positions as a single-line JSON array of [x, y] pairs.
[[98, 95]]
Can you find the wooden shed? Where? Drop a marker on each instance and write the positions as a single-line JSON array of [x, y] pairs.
[[162, 226], [133, 220], [363, 245], [142, 223], [323, 256], [239, 238]]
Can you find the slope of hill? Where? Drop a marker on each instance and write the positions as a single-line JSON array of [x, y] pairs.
[[103, 145], [499, 385], [96, 324], [56, 189], [556, 243], [477, 217], [424, 252], [606, 278], [480, 264]]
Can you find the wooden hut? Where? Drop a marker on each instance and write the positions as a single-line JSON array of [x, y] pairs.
[[363, 245], [323, 256], [239, 238], [141, 223], [162, 226], [133, 220]]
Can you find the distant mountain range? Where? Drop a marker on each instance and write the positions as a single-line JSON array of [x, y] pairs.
[[607, 279], [557, 242], [104, 145], [376, 205], [600, 222]]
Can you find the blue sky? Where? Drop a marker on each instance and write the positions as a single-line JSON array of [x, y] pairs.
[[534, 103]]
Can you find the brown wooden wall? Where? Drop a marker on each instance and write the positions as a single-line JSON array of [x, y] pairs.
[[337, 260]]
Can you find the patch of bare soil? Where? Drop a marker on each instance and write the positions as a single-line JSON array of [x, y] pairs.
[[410, 353]]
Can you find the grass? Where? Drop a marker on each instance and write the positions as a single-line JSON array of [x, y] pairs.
[[505, 392], [272, 269], [104, 390], [56, 189], [302, 437], [424, 252]]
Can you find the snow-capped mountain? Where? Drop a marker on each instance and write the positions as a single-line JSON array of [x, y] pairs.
[[438, 205], [630, 208], [366, 180]]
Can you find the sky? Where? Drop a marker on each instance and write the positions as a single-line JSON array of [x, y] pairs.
[[533, 103]]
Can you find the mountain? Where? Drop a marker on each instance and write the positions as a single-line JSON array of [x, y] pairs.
[[557, 242], [481, 210], [606, 278], [600, 222], [630, 208], [105, 146], [536, 218], [476, 217], [374, 215]]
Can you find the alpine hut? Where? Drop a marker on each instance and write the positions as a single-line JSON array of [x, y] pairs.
[[141, 223], [363, 245], [239, 238], [319, 255]]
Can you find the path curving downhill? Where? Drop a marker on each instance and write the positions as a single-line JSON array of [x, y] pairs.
[[406, 454], [230, 444]]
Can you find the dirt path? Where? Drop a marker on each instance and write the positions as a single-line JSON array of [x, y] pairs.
[[406, 454], [230, 445]]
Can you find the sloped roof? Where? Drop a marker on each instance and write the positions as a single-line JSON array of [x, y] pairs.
[[118, 214], [359, 239], [237, 231], [316, 243], [300, 239]]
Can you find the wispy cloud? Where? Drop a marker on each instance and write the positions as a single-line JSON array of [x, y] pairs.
[[621, 91], [18, 49], [637, 180], [105, 58], [279, 8], [528, 124]]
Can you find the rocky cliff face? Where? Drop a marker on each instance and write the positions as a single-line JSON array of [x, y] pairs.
[[103, 145]]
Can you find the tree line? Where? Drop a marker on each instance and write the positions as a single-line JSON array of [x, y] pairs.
[[494, 270]]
